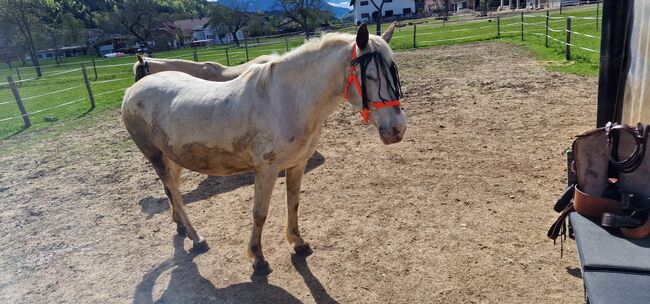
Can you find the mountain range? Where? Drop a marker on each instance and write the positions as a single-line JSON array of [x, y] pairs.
[[274, 5]]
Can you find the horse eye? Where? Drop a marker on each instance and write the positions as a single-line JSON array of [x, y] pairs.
[[371, 77]]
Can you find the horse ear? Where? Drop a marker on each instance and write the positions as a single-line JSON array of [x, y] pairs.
[[389, 32], [362, 37], [139, 58]]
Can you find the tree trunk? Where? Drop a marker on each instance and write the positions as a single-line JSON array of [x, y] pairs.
[[379, 24], [32, 53], [134, 33], [234, 37], [380, 17], [306, 26], [56, 56]]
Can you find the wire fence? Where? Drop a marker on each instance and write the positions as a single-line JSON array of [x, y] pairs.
[[110, 78]]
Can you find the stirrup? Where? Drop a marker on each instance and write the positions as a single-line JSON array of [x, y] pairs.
[[619, 221]]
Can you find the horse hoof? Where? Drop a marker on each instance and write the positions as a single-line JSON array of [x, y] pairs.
[[303, 250], [201, 246], [262, 268], [180, 229]]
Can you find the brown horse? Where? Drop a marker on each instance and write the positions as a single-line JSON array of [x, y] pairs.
[[267, 120]]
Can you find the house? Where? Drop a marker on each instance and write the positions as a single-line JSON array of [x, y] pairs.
[[214, 35], [365, 11], [457, 5], [529, 4], [166, 37], [192, 30], [111, 44], [186, 28]]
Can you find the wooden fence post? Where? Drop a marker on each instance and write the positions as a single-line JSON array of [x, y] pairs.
[[498, 26], [246, 47], [196, 55], [227, 58], [19, 102], [522, 26], [94, 68], [560, 7], [546, 36], [415, 27], [90, 90], [286, 43], [568, 39]]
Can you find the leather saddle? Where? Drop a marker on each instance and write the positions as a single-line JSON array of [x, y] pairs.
[[612, 181]]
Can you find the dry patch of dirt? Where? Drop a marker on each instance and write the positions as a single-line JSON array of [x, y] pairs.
[[456, 213]]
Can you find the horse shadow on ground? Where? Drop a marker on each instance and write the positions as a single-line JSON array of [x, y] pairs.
[[214, 185], [186, 285]]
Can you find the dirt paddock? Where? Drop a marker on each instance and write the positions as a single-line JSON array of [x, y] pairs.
[[456, 213]]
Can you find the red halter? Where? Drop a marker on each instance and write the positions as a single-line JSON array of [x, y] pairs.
[[354, 79]]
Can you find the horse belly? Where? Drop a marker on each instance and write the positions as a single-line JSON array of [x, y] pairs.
[[210, 160]]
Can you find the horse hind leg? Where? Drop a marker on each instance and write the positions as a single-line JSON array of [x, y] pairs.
[[170, 174]]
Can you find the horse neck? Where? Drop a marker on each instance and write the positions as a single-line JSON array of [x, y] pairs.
[[315, 80]]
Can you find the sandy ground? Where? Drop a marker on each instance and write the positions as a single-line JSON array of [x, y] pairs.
[[456, 213]]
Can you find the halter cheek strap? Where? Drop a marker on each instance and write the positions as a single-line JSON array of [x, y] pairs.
[[353, 79]]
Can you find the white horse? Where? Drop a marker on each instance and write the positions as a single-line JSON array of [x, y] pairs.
[[264, 121], [205, 70]]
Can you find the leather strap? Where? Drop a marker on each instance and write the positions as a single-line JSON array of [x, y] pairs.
[[637, 233], [559, 228], [594, 206], [353, 79]]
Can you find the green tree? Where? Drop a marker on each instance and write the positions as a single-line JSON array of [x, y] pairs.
[[138, 17], [26, 15], [73, 30], [231, 16], [301, 11], [260, 25], [10, 48]]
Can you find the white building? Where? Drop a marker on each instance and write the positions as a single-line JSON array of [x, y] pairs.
[[364, 11], [208, 32]]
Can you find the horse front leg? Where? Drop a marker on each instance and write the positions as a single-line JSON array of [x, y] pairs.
[[264, 182], [294, 181]]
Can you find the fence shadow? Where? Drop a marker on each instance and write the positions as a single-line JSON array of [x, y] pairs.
[[14, 133], [214, 185], [186, 285]]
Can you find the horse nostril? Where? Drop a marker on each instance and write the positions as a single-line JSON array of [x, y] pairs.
[[396, 131]]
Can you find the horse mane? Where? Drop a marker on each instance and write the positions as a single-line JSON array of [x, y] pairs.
[[262, 72]]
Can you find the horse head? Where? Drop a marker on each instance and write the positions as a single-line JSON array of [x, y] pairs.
[[141, 68], [379, 89]]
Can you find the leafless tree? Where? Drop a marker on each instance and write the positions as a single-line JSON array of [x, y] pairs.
[[300, 11], [230, 15]]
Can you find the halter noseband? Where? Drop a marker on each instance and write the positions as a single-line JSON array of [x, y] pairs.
[[395, 91]]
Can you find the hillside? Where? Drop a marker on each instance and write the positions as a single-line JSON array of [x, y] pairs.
[[274, 5]]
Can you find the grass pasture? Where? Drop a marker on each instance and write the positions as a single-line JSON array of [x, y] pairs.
[[61, 94]]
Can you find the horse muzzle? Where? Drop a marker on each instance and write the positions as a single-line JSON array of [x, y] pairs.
[[391, 135]]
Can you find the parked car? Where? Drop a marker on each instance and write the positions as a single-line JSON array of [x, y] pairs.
[[113, 55]]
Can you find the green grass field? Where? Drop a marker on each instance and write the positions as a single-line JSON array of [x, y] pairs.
[[61, 94]]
